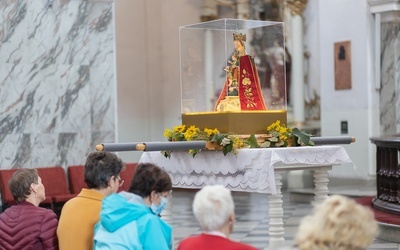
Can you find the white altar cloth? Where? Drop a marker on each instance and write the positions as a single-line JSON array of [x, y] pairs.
[[250, 170]]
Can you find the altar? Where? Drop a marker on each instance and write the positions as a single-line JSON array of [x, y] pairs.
[[253, 170]]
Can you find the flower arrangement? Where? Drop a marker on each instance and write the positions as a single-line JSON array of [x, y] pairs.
[[278, 135], [228, 142], [283, 136]]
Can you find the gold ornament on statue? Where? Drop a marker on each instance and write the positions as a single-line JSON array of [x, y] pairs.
[[239, 37]]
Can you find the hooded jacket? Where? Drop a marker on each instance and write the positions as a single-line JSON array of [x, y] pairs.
[[127, 223]]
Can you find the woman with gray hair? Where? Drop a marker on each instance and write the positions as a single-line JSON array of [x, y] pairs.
[[26, 225], [214, 210]]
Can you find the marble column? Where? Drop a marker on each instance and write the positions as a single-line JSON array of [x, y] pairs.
[[387, 62], [297, 79], [57, 81]]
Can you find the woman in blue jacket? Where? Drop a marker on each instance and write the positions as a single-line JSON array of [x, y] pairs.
[[130, 220]]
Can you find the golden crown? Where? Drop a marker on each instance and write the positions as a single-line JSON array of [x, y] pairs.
[[239, 37]]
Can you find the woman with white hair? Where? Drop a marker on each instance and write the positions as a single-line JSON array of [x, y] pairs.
[[214, 210]]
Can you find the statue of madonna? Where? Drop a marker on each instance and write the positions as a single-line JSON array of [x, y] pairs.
[[242, 89]]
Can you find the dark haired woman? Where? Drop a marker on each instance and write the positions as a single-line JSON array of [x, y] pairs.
[[80, 214], [26, 225], [131, 219]]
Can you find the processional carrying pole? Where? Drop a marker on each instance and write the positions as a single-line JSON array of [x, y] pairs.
[[151, 146], [332, 140], [186, 145]]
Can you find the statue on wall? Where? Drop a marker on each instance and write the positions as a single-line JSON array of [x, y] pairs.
[[242, 90], [277, 75]]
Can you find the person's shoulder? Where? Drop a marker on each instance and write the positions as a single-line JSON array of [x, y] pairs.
[[71, 201], [114, 200], [45, 212], [189, 242], [32, 209]]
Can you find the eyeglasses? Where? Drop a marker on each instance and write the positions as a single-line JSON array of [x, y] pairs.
[[121, 181], [168, 195]]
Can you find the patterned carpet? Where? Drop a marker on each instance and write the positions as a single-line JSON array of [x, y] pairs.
[[251, 224]]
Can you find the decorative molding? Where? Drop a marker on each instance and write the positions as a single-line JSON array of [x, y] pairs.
[[296, 6], [379, 6]]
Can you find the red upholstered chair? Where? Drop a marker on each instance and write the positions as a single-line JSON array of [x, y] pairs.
[[76, 178], [55, 183], [6, 196], [127, 176]]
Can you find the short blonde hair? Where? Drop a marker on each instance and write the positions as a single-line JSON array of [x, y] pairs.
[[337, 223]]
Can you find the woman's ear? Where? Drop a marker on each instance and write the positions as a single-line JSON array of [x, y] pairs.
[[231, 221], [153, 195], [111, 180], [33, 187], [231, 218]]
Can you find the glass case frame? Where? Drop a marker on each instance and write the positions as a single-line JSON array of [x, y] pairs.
[[206, 51]]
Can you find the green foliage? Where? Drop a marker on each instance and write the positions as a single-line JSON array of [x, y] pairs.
[[302, 138]]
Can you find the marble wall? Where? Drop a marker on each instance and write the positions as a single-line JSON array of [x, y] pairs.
[[390, 74], [57, 81]]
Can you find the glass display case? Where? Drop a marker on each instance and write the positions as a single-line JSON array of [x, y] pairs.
[[233, 75]]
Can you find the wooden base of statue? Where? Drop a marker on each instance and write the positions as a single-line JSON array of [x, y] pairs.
[[243, 122]]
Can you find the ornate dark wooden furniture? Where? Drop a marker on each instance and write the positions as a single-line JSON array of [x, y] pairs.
[[387, 174]]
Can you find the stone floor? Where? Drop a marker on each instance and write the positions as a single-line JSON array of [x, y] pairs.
[[251, 224]]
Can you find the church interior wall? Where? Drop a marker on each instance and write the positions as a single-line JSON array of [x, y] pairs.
[[148, 67], [57, 81], [349, 21]]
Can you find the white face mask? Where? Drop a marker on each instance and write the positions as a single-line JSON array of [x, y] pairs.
[[157, 209]]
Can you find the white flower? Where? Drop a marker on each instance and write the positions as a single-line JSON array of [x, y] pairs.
[[225, 142]]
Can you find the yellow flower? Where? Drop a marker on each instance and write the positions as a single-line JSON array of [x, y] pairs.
[[237, 142], [211, 132], [275, 126], [190, 133], [179, 129], [167, 133]]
